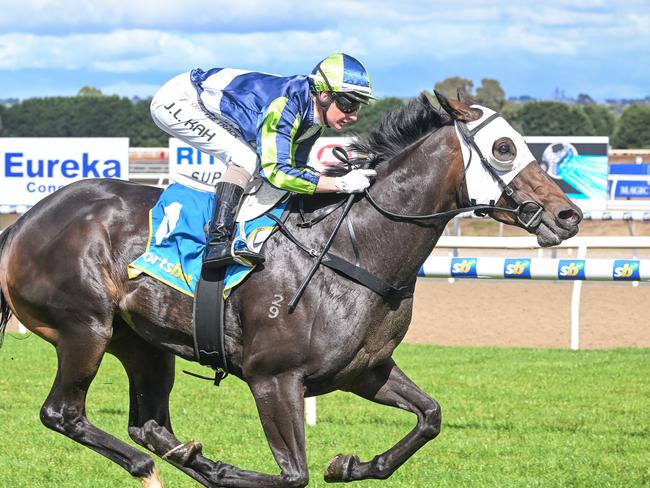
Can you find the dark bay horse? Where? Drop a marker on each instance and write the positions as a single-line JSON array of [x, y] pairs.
[[63, 274]]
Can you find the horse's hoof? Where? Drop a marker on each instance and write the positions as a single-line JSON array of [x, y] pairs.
[[152, 480], [181, 454], [340, 468]]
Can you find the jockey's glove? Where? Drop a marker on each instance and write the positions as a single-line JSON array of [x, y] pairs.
[[355, 181]]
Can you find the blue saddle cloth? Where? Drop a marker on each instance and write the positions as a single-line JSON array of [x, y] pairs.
[[177, 239]]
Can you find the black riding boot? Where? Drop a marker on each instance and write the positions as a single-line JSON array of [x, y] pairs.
[[220, 233]]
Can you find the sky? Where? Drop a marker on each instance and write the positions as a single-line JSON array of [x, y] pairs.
[[131, 47]]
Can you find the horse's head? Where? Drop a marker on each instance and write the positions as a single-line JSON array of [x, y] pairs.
[[502, 172]]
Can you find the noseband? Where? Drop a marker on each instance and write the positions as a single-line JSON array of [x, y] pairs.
[[523, 209]]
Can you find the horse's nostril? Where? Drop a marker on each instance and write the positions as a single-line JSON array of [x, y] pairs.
[[569, 216]]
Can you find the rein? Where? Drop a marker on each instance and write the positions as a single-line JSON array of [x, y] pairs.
[[448, 213], [349, 201], [354, 271]]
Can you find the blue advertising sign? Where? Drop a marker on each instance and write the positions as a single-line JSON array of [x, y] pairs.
[[516, 268], [638, 169], [571, 269], [32, 168], [463, 267], [626, 270], [632, 189]]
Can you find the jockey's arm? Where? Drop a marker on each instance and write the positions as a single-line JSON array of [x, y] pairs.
[[326, 184], [277, 149]]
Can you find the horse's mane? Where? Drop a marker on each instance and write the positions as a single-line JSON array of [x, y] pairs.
[[398, 130]]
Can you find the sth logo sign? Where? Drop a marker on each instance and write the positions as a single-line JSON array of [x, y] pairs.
[[463, 267], [516, 268], [626, 270], [571, 269]]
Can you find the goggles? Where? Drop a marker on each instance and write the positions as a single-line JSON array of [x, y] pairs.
[[346, 104]]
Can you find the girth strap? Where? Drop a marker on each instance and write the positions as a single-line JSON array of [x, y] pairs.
[[209, 324]]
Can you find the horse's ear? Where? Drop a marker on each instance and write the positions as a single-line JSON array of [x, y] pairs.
[[458, 110], [465, 97]]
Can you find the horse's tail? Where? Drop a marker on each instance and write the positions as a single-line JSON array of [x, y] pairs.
[[5, 311]]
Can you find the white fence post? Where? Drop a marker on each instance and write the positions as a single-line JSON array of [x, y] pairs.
[[575, 305], [575, 315], [310, 410]]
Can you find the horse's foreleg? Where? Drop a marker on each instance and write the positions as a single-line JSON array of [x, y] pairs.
[[279, 401], [388, 385], [79, 357]]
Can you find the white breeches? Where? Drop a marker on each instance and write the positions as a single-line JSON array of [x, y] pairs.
[[175, 109]]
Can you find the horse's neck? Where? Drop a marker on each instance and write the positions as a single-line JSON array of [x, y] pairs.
[[424, 180]]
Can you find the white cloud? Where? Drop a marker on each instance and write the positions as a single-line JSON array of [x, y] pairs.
[[537, 43], [83, 16], [137, 38], [69, 16], [143, 50], [140, 50], [78, 51]]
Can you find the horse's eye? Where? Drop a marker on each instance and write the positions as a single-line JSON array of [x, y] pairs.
[[504, 149], [504, 153]]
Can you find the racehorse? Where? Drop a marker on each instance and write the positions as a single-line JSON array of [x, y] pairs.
[[63, 274]]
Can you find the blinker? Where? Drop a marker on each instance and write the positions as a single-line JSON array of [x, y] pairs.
[[501, 165]]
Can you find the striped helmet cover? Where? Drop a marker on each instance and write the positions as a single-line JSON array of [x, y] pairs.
[[344, 74]]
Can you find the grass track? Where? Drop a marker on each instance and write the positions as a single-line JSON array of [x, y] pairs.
[[511, 418]]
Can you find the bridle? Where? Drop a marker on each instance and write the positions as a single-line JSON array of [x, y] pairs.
[[368, 279], [523, 209]]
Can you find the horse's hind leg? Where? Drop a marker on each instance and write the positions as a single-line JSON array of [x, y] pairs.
[[388, 385], [64, 411], [151, 378]]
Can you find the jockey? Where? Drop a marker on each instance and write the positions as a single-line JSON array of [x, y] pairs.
[[261, 123]]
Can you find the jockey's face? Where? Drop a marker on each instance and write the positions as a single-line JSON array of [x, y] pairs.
[[336, 118]]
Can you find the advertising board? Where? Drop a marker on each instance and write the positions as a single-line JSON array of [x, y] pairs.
[[33, 167]]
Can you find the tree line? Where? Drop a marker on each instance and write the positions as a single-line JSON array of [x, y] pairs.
[[92, 114]]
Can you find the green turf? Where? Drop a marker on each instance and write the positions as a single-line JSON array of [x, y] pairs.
[[511, 418]]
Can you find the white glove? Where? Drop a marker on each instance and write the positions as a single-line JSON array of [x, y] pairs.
[[355, 181]]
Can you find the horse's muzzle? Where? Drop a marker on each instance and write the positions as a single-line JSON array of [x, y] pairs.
[[558, 226]]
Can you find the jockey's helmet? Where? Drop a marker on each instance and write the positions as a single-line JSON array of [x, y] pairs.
[[341, 73]]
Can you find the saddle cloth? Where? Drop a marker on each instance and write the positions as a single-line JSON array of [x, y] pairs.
[[177, 235]]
